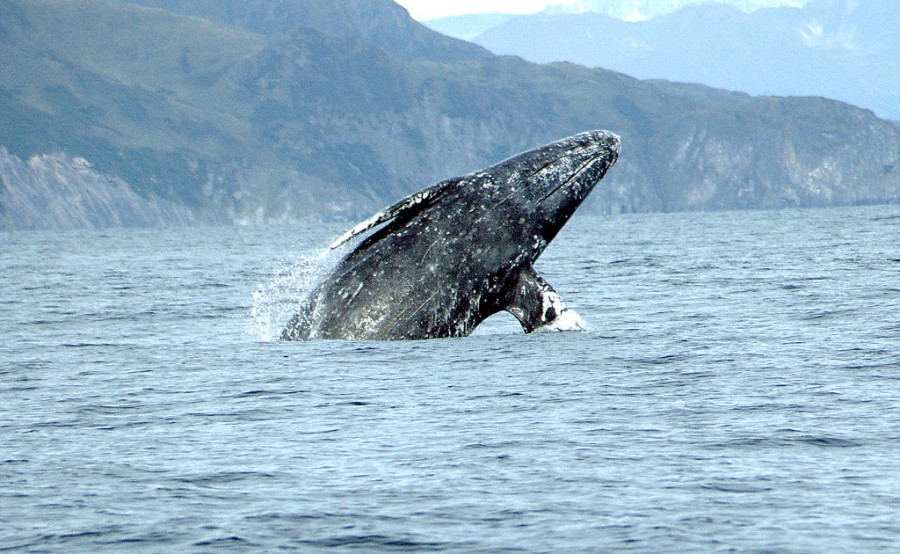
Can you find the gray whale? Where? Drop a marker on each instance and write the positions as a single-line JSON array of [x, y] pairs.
[[459, 251]]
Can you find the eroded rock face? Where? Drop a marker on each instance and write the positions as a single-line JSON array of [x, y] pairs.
[[851, 159], [57, 191]]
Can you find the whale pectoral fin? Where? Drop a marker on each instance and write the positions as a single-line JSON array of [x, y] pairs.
[[536, 305], [406, 207]]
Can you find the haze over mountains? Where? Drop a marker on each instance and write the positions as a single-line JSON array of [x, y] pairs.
[[258, 111], [640, 10], [469, 26], [843, 49]]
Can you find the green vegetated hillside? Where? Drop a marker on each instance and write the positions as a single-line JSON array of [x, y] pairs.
[[330, 112], [380, 22]]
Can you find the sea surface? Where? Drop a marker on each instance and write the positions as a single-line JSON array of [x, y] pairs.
[[738, 390]]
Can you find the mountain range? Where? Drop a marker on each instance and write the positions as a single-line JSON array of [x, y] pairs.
[[469, 26], [183, 112], [842, 49], [640, 10]]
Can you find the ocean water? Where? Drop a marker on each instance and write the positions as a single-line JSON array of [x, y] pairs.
[[738, 389]]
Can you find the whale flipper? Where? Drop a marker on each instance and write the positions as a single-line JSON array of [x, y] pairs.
[[407, 206], [536, 305]]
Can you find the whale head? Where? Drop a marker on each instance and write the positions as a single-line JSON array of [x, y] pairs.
[[546, 185]]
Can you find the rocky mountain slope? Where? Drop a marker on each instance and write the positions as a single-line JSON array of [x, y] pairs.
[[54, 191], [238, 123]]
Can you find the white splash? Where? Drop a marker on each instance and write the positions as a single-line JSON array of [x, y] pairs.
[[276, 300], [568, 320]]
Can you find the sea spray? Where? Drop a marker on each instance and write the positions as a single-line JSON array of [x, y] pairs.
[[278, 298]]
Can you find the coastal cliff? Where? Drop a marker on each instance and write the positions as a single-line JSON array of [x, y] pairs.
[[56, 191]]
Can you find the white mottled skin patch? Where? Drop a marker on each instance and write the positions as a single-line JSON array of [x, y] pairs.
[[568, 320], [552, 305], [564, 319], [385, 215], [362, 227]]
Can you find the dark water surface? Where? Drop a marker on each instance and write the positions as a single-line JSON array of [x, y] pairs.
[[738, 390]]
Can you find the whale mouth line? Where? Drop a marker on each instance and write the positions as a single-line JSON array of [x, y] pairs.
[[574, 176]]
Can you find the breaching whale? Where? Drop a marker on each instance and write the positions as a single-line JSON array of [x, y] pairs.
[[459, 251]]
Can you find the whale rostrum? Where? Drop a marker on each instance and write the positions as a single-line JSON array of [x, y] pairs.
[[456, 253]]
